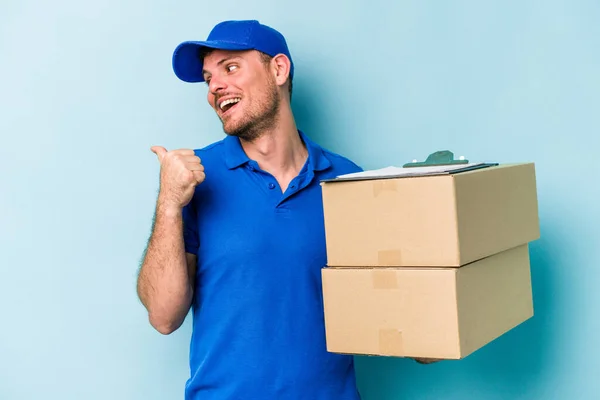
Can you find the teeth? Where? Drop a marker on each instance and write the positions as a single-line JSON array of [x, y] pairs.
[[229, 101]]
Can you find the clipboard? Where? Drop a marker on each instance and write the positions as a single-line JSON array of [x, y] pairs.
[[438, 163]]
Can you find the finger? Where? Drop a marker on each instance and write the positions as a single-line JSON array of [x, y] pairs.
[[191, 159], [194, 166], [427, 360], [199, 176], [159, 151], [184, 152]]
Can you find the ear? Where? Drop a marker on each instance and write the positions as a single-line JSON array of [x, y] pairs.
[[282, 67]]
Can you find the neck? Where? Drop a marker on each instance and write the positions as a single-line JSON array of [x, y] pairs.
[[279, 150]]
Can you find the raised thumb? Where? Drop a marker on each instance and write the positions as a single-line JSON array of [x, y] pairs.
[[159, 151]]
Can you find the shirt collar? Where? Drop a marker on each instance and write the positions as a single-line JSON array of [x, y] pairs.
[[235, 155]]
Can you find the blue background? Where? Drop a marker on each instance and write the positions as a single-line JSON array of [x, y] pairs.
[[87, 87]]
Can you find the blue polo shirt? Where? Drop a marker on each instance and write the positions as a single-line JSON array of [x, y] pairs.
[[258, 325]]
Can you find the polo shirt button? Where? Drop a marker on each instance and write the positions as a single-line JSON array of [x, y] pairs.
[[271, 186]]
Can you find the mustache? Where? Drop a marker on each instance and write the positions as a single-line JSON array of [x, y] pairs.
[[222, 95]]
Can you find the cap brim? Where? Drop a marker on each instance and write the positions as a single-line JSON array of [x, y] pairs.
[[186, 63]]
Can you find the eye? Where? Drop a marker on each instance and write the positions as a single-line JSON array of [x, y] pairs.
[[231, 67]]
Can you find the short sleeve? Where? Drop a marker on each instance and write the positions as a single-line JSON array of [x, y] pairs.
[[190, 227]]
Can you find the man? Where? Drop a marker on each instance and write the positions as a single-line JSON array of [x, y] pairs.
[[238, 234]]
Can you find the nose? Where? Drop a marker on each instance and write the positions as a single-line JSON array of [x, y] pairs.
[[216, 84]]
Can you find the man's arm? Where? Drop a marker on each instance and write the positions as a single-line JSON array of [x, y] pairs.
[[166, 280]]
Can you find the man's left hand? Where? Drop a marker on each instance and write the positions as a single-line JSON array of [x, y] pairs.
[[427, 360]]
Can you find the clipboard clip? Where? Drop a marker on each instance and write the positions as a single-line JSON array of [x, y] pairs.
[[442, 157]]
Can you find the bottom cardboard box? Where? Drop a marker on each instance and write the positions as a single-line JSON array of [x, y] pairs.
[[445, 313]]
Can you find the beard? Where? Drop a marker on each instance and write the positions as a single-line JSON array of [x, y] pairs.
[[261, 117]]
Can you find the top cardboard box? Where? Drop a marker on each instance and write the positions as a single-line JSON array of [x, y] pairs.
[[444, 220]]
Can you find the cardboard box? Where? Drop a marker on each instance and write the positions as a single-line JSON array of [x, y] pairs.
[[445, 313], [445, 221]]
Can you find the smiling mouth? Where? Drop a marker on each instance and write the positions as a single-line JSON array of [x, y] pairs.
[[229, 104]]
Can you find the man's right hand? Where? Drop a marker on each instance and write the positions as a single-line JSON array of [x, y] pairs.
[[180, 173]]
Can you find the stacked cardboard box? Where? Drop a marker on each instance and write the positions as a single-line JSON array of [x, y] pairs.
[[428, 266]]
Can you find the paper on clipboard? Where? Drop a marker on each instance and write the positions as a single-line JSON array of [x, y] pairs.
[[399, 172]]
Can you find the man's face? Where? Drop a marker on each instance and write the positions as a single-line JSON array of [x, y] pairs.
[[242, 91]]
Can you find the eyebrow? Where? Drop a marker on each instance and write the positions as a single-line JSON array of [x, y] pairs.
[[222, 61]]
